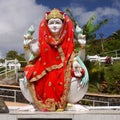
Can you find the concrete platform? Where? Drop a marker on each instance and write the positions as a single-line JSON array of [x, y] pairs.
[[91, 114], [66, 115]]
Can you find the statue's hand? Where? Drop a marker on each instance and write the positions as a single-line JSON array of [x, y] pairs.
[[78, 70], [26, 42], [28, 38], [82, 42], [80, 36]]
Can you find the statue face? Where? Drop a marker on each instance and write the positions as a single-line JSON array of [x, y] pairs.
[[55, 25]]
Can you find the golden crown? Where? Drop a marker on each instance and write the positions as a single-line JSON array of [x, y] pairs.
[[55, 13]]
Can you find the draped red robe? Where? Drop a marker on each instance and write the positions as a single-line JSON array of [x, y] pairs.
[[49, 78]]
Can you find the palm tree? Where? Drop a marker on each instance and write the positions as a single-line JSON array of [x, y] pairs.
[[116, 34], [102, 41], [89, 28]]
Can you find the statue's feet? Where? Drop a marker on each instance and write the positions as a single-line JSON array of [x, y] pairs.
[[59, 110]]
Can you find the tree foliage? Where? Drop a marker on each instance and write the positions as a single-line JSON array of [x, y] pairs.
[[105, 78], [90, 28], [111, 43], [14, 55], [11, 54]]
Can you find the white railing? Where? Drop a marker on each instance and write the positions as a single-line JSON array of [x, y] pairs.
[[8, 73], [106, 103], [94, 102], [100, 59]]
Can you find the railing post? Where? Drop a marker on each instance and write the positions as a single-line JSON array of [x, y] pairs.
[[15, 96], [93, 102]]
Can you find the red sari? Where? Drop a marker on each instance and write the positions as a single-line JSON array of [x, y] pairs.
[[49, 78]]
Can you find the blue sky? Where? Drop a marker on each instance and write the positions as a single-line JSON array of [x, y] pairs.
[[107, 8], [89, 4], [18, 15]]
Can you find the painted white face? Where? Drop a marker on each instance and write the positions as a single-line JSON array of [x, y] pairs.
[[55, 25]]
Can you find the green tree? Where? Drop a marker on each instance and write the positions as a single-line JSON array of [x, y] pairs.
[[116, 34], [14, 55], [90, 28], [11, 54]]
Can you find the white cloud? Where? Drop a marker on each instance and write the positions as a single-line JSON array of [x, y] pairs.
[[107, 12], [15, 18], [83, 15], [1, 55], [116, 4]]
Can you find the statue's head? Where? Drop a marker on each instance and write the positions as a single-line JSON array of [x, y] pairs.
[[55, 20]]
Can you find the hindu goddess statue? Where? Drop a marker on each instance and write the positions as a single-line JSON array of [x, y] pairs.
[[54, 75]]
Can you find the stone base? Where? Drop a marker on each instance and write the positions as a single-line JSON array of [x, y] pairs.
[[66, 115], [19, 112], [3, 107]]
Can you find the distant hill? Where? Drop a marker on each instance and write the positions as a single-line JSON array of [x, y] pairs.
[[101, 46]]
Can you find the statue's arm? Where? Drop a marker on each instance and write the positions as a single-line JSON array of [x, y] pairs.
[[32, 51], [35, 50], [77, 68], [81, 38]]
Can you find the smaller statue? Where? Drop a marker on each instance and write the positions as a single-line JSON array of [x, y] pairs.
[[81, 37], [31, 45]]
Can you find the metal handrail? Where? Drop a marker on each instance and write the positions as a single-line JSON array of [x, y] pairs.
[[10, 96], [96, 101]]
